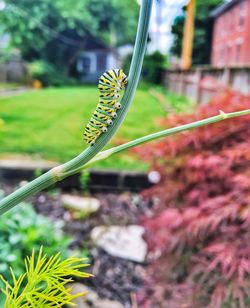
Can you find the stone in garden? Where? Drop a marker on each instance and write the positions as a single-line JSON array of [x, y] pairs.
[[154, 177], [91, 299], [83, 205], [122, 242]]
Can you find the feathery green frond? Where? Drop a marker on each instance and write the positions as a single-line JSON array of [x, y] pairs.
[[44, 284]]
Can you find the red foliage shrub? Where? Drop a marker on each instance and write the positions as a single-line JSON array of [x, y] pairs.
[[199, 237]]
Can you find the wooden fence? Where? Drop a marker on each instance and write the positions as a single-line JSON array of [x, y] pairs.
[[201, 83]]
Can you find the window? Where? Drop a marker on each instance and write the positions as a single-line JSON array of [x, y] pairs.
[[102, 61], [228, 55], [242, 13], [232, 20], [218, 29], [238, 52], [222, 55], [84, 65]]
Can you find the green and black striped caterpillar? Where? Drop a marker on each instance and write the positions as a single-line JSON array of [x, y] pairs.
[[110, 85]]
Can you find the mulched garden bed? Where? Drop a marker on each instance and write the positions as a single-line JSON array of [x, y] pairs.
[[115, 278]]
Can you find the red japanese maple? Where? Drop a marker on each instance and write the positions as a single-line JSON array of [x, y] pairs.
[[199, 237]]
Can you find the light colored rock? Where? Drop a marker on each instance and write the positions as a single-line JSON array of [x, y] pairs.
[[81, 204], [122, 242], [91, 299], [154, 177]]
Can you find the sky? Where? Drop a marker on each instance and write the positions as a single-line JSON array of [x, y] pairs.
[[163, 15]]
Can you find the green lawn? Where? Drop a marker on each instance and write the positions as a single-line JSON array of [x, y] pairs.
[[9, 86], [49, 123]]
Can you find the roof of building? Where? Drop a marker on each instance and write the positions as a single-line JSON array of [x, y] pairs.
[[223, 7]]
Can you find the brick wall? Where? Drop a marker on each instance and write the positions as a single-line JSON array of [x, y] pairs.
[[231, 36]]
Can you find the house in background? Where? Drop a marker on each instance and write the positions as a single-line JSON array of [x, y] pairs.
[[231, 34], [230, 57], [90, 62], [85, 58], [93, 57]]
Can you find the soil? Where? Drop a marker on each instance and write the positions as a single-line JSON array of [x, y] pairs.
[[115, 278]]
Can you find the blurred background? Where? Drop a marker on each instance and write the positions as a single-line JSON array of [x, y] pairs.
[[167, 223]]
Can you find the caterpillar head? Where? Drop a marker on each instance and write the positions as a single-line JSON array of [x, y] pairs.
[[123, 80]]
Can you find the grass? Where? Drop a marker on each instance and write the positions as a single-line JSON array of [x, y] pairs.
[[49, 123], [9, 86]]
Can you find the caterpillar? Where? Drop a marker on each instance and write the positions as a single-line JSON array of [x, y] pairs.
[[110, 85]]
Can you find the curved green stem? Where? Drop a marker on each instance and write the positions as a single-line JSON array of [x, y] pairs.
[[164, 133], [59, 172]]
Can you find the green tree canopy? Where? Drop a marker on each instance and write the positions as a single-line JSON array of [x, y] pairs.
[[33, 25], [202, 34]]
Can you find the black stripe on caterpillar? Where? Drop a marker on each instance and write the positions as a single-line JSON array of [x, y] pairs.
[[110, 85]]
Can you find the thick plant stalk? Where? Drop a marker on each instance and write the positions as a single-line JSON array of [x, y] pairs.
[[59, 172]]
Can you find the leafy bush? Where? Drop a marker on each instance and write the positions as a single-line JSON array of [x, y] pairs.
[[21, 231], [48, 74], [152, 66], [6, 54], [200, 232]]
